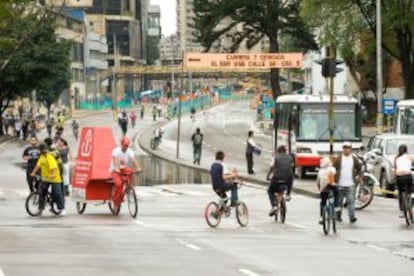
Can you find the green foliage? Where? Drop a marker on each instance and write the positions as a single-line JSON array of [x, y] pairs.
[[249, 21], [31, 56], [351, 25]]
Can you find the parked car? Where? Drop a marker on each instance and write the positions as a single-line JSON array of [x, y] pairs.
[[386, 145]]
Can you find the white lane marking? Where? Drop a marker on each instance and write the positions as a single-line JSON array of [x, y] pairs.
[[377, 247], [257, 229], [401, 254], [189, 245], [1, 194], [144, 194], [2, 273], [247, 272], [297, 225], [1, 146], [139, 222]]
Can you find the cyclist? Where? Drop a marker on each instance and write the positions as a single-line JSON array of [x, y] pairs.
[[122, 159], [75, 129], [223, 180], [282, 172], [50, 175], [31, 154], [133, 117], [325, 182], [402, 164]]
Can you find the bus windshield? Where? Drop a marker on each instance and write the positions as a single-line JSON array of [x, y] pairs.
[[314, 122]]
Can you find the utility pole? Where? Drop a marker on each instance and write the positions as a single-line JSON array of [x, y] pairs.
[[379, 69], [172, 65], [331, 54]]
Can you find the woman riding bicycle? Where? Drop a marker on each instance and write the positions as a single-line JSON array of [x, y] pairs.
[[325, 183], [402, 164], [122, 160]]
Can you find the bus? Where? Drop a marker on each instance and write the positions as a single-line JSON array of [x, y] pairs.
[[404, 117], [306, 119]]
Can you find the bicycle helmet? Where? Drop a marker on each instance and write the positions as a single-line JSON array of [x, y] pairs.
[[125, 141]]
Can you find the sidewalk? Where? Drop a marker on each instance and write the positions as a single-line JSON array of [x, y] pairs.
[[305, 187]]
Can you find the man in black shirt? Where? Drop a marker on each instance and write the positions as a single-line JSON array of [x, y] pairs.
[[31, 154], [282, 173]]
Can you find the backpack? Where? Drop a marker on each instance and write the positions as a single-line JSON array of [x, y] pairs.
[[198, 139]]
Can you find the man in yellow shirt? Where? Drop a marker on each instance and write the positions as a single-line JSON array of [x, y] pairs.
[[50, 175]]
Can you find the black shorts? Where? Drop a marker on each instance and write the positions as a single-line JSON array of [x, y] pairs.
[[278, 186]]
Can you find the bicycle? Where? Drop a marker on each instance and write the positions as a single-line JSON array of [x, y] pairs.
[[215, 210], [128, 194], [328, 215], [280, 199], [32, 201], [407, 206]]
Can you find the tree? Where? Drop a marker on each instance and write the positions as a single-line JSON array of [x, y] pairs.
[[353, 21], [32, 58], [249, 21]]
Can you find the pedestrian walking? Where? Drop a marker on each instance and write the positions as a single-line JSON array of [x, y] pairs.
[[66, 155], [142, 111], [49, 127], [123, 122], [159, 108], [25, 128], [250, 148], [30, 155], [197, 139], [18, 128], [348, 174], [154, 113]]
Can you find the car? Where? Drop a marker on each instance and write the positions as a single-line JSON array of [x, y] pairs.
[[386, 145]]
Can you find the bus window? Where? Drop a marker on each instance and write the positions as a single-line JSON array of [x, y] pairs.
[[408, 121]]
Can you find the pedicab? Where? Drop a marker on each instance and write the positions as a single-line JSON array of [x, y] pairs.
[[91, 181]]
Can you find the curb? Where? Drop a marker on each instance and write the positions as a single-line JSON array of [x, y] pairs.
[[145, 146]]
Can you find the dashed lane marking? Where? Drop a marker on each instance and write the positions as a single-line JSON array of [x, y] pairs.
[[189, 245], [139, 222], [247, 272]]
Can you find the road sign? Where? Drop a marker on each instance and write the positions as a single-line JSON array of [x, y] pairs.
[[388, 106], [242, 61]]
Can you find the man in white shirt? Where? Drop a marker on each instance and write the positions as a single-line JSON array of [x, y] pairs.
[[122, 160], [348, 170]]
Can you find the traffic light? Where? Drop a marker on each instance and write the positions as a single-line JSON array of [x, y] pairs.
[[329, 68]]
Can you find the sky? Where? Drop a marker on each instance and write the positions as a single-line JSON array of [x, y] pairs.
[[168, 15]]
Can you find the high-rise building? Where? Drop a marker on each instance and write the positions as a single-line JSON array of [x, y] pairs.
[[124, 22], [188, 42]]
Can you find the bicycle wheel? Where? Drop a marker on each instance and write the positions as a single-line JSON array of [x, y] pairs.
[[326, 220], [53, 205], [333, 219], [80, 207], [407, 209], [32, 204], [153, 144], [364, 197], [212, 214], [283, 210], [242, 214], [132, 201]]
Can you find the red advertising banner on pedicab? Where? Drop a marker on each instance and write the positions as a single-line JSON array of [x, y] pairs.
[[91, 172]]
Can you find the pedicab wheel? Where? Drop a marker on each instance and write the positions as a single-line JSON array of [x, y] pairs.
[[242, 214], [113, 211], [132, 200], [326, 220], [282, 211], [32, 204], [212, 214], [153, 144], [80, 207]]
